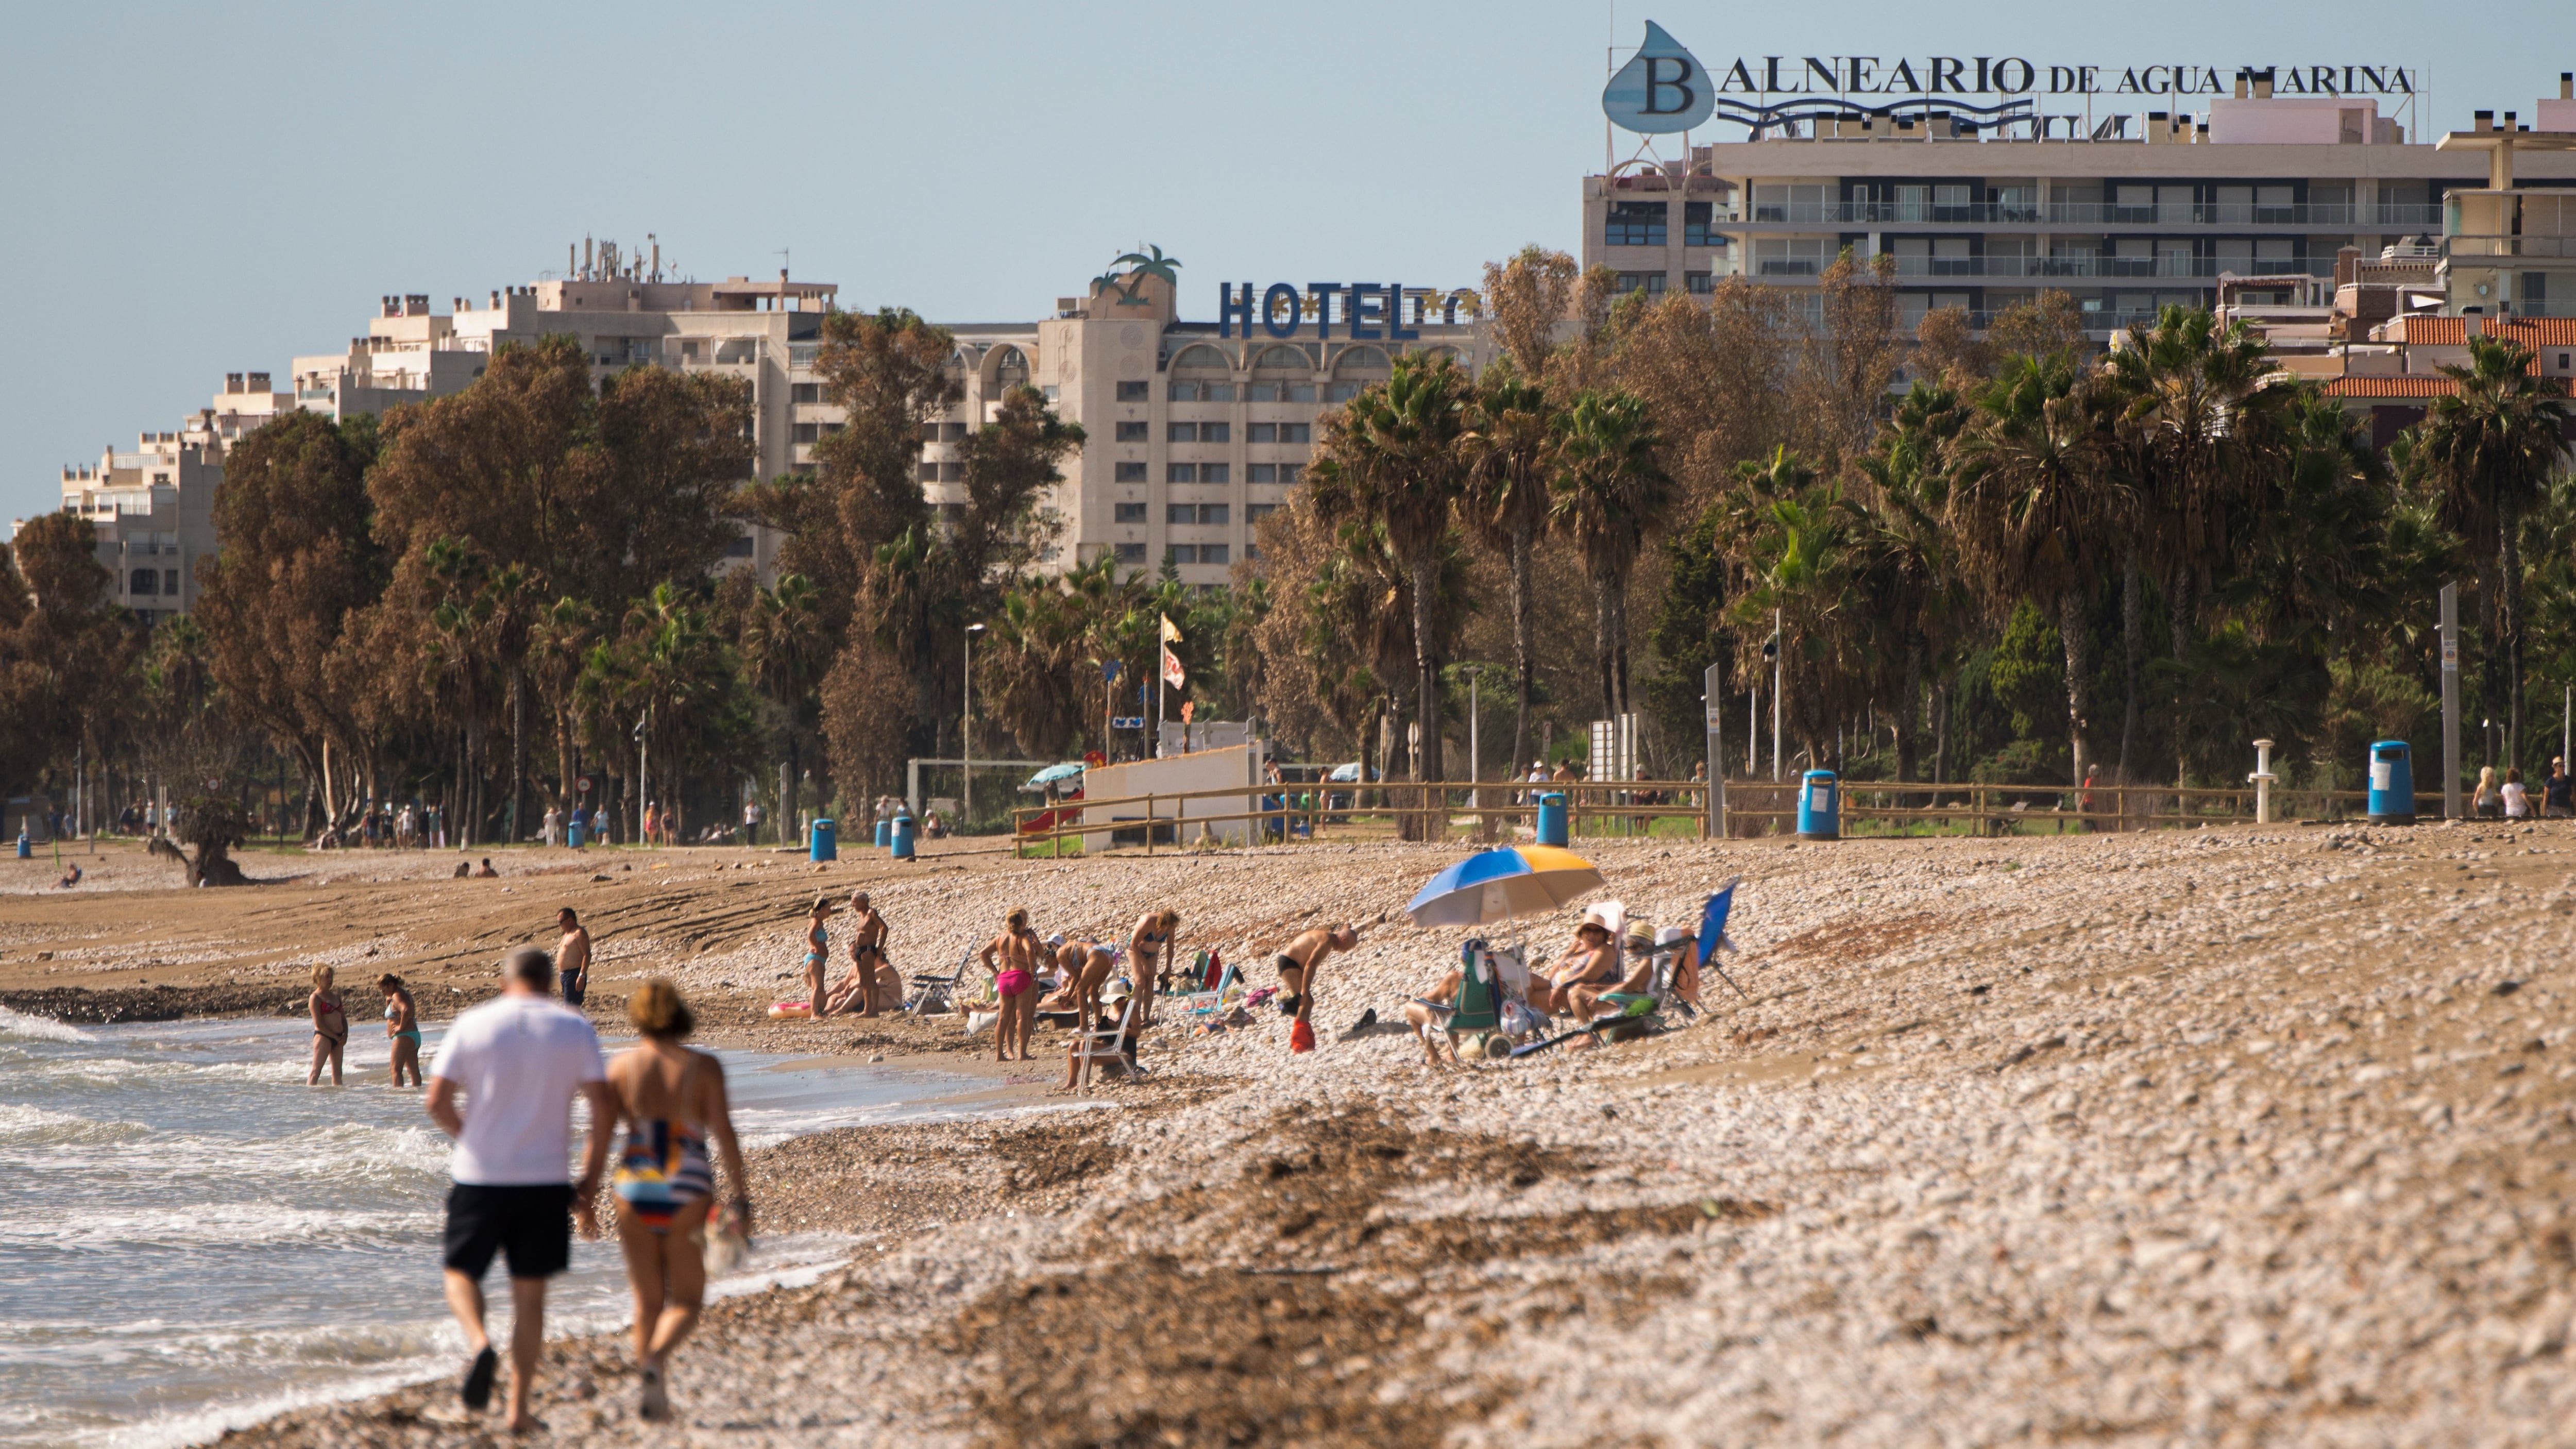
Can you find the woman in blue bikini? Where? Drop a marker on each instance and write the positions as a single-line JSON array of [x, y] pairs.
[[402, 1023], [671, 1100], [818, 954], [1149, 944]]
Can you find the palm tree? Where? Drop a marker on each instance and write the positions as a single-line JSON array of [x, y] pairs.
[[2490, 449], [1394, 457], [2038, 507], [2194, 417], [1609, 490], [1509, 445], [787, 651], [1906, 561]]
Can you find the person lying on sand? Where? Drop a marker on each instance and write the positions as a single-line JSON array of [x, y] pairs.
[[1299, 960]]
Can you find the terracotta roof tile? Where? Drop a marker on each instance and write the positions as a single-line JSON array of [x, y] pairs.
[[2391, 387]]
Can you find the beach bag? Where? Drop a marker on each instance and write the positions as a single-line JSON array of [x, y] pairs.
[[1520, 1020], [724, 1248]]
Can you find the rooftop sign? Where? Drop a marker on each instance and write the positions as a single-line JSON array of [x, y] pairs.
[[1664, 88]]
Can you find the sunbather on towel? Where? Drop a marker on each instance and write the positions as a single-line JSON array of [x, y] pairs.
[[1593, 960], [1301, 958]]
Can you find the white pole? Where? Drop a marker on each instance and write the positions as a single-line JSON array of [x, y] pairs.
[[1475, 799], [966, 729], [1779, 683]]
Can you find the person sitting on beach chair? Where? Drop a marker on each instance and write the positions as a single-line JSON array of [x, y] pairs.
[[1592, 961], [1583, 1000]]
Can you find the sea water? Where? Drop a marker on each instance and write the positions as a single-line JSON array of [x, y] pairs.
[[191, 1238]]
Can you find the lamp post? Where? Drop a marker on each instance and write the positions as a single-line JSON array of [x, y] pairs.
[[966, 727]]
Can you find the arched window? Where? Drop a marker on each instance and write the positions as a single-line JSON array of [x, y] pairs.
[[1202, 358], [1010, 370], [1355, 369], [1436, 350], [1283, 359]]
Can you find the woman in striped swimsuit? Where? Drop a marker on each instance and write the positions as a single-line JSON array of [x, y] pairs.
[[671, 1099]]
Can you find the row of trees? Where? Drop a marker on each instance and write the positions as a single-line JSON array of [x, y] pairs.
[[489, 596]]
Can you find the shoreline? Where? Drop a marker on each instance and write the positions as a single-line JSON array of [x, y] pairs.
[[2046, 1121]]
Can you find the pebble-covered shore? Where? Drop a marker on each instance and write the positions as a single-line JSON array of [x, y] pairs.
[[2223, 1137]]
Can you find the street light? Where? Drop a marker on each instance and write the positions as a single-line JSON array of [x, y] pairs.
[[966, 725]]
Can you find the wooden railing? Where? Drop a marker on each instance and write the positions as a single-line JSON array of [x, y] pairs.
[[1641, 808]]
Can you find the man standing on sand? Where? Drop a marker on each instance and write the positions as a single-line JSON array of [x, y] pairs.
[[519, 1061], [572, 957], [1298, 961], [868, 934]]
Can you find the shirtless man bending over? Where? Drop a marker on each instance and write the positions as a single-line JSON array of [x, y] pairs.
[[872, 977], [1299, 960]]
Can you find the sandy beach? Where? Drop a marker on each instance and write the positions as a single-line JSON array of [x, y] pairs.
[[2241, 1136]]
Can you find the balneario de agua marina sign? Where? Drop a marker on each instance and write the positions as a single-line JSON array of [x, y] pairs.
[[1664, 88]]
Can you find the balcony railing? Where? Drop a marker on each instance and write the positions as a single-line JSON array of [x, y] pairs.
[[2385, 216], [2509, 246], [2100, 266]]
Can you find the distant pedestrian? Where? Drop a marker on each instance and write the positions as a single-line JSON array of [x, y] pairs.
[[554, 825], [2517, 801], [572, 957], [2558, 793], [2487, 802], [402, 1027], [330, 1027], [518, 1061]]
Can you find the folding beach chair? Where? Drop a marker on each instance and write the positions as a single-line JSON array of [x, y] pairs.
[[933, 995], [1106, 1043]]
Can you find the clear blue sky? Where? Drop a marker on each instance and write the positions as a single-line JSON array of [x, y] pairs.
[[196, 189]]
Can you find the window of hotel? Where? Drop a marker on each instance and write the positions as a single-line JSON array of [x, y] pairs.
[[1283, 359], [145, 581], [1185, 432], [1291, 392], [1196, 553], [1255, 512], [952, 432], [929, 471], [930, 432], [738, 546], [808, 432], [1132, 432], [1127, 513], [1202, 392], [1696, 216], [1131, 553], [1212, 553], [1288, 472], [805, 392], [1636, 224], [1252, 551], [1202, 358], [1012, 371], [1135, 391], [1265, 473], [1131, 473], [1181, 473], [1650, 283], [1049, 392], [1283, 432], [1701, 283], [1789, 203], [1181, 553], [1202, 432], [2016, 203], [1216, 472], [1788, 256], [1180, 513]]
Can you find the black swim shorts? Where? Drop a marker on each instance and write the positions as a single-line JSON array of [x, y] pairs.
[[531, 1224], [1291, 963]]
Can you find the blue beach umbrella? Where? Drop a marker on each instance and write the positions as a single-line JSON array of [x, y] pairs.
[[1496, 885], [1053, 773]]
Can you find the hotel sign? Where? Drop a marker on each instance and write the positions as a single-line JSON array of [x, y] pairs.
[[1664, 88], [1369, 311]]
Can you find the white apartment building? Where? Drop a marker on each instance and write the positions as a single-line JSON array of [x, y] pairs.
[[2130, 212]]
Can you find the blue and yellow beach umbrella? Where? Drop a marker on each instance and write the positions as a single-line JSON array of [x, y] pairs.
[[1496, 885]]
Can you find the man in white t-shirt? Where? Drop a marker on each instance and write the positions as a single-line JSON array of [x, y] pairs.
[[518, 1062]]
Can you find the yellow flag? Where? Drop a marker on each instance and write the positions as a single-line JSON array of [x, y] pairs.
[[1171, 631]]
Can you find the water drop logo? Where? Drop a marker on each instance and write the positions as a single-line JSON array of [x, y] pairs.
[[1662, 88]]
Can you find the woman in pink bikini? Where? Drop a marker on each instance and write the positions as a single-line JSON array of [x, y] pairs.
[[330, 1027], [1012, 957]]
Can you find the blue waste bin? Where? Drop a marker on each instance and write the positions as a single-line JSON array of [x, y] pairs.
[[902, 837], [26, 847], [885, 831], [2392, 783], [822, 844], [572, 835], [1551, 819], [1819, 817]]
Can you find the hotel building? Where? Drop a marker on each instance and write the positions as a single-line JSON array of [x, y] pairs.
[[2128, 213]]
